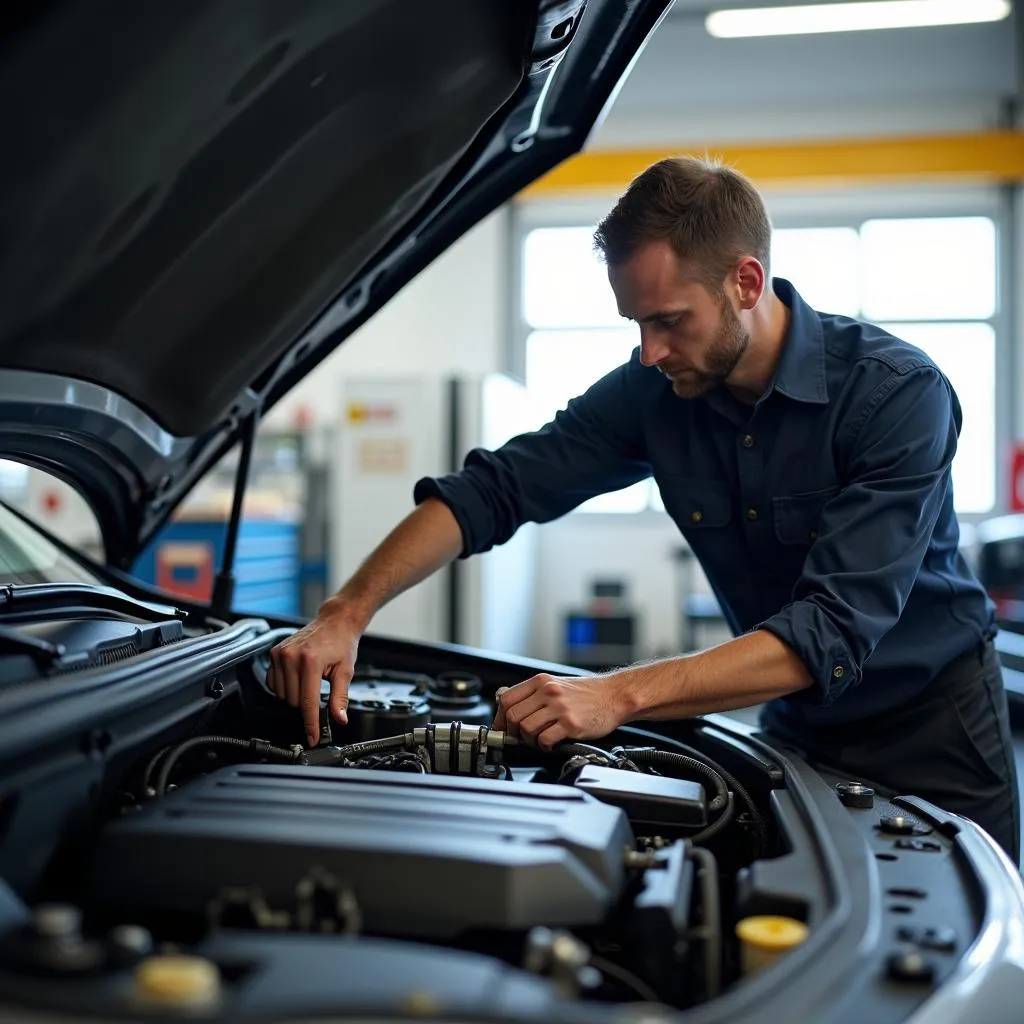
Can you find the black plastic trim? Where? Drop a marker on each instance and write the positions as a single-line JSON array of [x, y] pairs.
[[34, 716]]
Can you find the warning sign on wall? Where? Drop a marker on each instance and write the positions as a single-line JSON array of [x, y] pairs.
[[383, 455], [372, 412]]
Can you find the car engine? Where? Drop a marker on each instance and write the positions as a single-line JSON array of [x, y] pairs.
[[415, 857]]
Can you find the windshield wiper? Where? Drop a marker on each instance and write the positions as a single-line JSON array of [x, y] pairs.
[[57, 596]]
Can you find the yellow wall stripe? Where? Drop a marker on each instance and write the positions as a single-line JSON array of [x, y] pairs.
[[983, 157]]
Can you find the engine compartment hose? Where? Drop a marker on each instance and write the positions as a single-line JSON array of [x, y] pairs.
[[147, 775], [614, 758], [718, 824], [652, 756], [757, 819], [354, 750], [262, 748], [711, 913]]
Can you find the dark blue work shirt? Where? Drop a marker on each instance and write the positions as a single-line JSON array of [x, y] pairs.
[[824, 513]]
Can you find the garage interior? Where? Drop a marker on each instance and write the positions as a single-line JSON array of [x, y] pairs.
[[874, 148]]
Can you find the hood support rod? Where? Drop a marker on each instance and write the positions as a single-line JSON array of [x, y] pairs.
[[224, 584]]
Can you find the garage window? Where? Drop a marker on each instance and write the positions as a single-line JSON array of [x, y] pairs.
[[929, 280], [574, 334]]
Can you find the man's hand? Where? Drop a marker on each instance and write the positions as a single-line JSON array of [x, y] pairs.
[[545, 709], [427, 539], [323, 649], [740, 673]]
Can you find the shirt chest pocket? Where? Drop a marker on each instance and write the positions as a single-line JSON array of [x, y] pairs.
[[797, 518]]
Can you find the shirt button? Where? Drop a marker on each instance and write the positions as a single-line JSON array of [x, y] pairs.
[[747, 441], [752, 514], [696, 517], [838, 672], [813, 535]]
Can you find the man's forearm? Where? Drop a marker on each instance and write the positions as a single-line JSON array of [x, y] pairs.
[[425, 541], [749, 670]]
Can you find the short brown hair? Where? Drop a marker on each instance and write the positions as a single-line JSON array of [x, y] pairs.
[[709, 213]]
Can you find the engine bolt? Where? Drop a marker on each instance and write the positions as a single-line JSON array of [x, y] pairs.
[[910, 966], [855, 794]]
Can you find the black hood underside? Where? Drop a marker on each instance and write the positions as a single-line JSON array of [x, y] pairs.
[[185, 184]]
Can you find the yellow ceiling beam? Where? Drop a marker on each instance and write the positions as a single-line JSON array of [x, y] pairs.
[[984, 157]]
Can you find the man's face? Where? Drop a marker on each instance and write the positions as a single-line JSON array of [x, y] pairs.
[[693, 337]]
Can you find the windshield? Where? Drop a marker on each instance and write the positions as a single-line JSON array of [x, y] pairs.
[[26, 556]]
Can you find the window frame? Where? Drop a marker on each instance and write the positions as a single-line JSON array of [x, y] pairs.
[[824, 209]]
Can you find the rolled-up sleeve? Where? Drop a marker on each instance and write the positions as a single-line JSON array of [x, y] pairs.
[[592, 446], [874, 532]]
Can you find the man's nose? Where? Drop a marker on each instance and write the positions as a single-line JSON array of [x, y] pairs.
[[652, 351]]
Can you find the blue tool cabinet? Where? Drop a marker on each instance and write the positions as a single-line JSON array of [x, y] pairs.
[[185, 556]]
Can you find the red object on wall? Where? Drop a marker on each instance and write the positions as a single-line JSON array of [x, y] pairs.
[[1017, 478], [303, 417], [185, 568]]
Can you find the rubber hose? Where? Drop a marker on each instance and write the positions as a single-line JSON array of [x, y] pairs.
[[711, 911], [650, 755], [266, 749], [736, 786], [718, 824], [147, 775], [583, 750], [373, 746]]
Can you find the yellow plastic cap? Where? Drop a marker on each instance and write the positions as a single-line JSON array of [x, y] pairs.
[[177, 980], [772, 933]]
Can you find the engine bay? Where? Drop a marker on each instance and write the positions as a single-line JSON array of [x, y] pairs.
[[191, 853]]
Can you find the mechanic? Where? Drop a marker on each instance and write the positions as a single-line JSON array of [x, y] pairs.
[[806, 459]]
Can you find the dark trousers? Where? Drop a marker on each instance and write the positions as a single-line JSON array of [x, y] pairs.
[[951, 746]]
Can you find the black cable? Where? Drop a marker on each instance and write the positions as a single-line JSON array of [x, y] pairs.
[[261, 747], [576, 763], [760, 828], [711, 912], [627, 978], [147, 775], [651, 755], [718, 824], [399, 761], [575, 749], [677, 744], [356, 750]]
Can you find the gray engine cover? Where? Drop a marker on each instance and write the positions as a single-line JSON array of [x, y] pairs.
[[424, 855]]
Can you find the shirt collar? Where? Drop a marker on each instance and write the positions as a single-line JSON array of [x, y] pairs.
[[801, 371]]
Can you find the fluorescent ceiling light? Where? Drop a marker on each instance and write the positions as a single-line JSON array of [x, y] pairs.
[[852, 17]]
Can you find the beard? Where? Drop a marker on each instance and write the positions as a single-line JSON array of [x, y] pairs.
[[726, 349]]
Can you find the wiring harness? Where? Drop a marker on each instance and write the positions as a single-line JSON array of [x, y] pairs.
[[457, 749]]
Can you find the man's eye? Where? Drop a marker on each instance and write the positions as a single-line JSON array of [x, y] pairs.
[[669, 324]]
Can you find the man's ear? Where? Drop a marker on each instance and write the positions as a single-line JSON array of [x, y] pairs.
[[750, 280]]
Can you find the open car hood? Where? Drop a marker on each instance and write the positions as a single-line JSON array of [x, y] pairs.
[[200, 200]]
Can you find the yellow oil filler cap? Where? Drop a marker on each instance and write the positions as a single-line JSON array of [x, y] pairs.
[[177, 981], [765, 938]]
